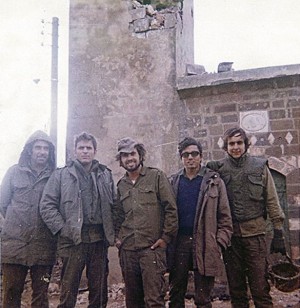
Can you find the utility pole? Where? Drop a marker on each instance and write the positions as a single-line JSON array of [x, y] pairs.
[[54, 82]]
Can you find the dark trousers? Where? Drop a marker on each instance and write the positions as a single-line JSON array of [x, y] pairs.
[[183, 263], [246, 261], [75, 258], [14, 276], [143, 272]]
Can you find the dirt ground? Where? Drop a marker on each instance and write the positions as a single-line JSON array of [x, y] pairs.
[[116, 298]]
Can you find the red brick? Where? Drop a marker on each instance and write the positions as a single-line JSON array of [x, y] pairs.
[[293, 102], [215, 130], [254, 106], [210, 120], [225, 108], [278, 104], [292, 190], [293, 177], [277, 114], [281, 125], [230, 118], [274, 151], [292, 149], [216, 155], [296, 112]]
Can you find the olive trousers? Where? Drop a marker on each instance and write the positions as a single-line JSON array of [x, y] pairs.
[[246, 265], [143, 272]]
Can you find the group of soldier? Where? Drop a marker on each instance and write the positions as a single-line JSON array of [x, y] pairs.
[[199, 219]]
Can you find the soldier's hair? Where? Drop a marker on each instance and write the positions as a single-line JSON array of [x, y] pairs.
[[233, 132], [86, 137], [187, 141]]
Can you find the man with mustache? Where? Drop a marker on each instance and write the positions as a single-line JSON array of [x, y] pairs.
[[145, 222], [252, 197], [77, 206], [26, 242]]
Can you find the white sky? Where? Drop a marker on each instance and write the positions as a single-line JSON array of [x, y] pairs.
[[25, 105], [250, 33]]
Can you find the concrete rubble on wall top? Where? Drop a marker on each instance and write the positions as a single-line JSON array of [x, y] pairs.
[[146, 18]]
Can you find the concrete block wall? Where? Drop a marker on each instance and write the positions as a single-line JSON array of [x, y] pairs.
[[267, 107], [122, 76]]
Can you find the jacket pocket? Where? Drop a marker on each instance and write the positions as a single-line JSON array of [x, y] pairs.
[[22, 191], [255, 187], [147, 195]]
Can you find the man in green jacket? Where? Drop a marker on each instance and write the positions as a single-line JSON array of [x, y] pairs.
[[26, 242], [252, 197], [77, 206], [205, 227], [145, 222]]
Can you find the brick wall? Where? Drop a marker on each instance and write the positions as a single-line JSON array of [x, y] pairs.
[[267, 106]]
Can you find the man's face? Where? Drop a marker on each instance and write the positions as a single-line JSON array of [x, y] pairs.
[[40, 153], [85, 152], [236, 146], [130, 161], [191, 157]]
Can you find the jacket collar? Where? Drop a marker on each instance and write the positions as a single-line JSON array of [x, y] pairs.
[[202, 171], [238, 162]]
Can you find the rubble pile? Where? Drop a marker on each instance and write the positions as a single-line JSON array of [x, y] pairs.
[[145, 18]]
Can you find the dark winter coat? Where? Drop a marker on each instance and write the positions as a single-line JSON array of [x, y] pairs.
[[61, 206], [213, 224], [25, 239]]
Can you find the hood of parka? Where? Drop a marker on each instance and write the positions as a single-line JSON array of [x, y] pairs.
[[25, 155]]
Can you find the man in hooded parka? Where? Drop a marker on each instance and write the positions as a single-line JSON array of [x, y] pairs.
[[26, 242]]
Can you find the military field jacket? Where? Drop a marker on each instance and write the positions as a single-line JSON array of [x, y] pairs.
[[25, 238], [61, 207], [146, 211], [257, 188]]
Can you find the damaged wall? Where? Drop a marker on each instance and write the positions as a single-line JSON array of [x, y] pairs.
[[123, 76]]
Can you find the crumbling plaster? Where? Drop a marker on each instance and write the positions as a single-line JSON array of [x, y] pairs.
[[123, 83]]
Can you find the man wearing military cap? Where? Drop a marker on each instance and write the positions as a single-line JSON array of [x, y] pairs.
[[145, 222]]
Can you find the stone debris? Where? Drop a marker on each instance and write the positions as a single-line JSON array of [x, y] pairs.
[[194, 69], [225, 67], [150, 10], [116, 291], [53, 288], [136, 4], [145, 18]]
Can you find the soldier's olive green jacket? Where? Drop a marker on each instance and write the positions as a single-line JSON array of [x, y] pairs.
[[145, 211], [61, 205], [25, 239], [251, 192]]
